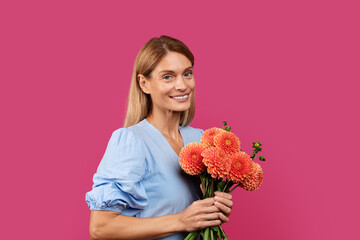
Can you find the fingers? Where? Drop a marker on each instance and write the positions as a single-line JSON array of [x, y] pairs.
[[205, 213], [223, 208], [224, 195], [213, 216], [211, 209], [205, 202], [223, 202], [220, 209], [224, 198], [209, 216], [212, 223], [222, 217], [208, 209]]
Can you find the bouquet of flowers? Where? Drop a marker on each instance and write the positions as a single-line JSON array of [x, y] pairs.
[[221, 166]]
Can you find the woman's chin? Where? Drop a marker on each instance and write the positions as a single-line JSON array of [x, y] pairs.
[[181, 108]]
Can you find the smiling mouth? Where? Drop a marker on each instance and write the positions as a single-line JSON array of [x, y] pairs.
[[181, 97]]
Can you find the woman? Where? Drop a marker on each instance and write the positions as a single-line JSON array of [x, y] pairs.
[[140, 191]]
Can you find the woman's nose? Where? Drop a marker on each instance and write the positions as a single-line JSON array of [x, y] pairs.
[[180, 84]]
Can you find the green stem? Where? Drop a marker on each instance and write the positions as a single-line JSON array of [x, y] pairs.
[[222, 232], [203, 184], [190, 236], [211, 234], [206, 234], [234, 188], [218, 233], [212, 187], [254, 153], [227, 183], [194, 235]]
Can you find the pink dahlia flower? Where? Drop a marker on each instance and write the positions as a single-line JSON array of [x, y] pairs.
[[227, 141], [241, 167], [217, 162], [255, 179], [207, 138], [190, 158]]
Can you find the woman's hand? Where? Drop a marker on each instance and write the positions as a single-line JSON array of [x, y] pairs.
[[200, 214], [224, 202]]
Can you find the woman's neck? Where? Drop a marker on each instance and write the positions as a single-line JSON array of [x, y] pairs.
[[166, 123]]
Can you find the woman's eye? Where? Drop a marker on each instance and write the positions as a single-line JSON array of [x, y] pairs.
[[188, 74], [167, 77]]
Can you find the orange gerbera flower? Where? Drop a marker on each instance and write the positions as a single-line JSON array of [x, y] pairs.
[[241, 167], [190, 158], [207, 138], [255, 179], [217, 162], [227, 141]]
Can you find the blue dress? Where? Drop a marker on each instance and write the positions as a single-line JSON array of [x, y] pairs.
[[139, 175]]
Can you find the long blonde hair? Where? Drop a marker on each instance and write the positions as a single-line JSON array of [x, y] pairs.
[[139, 103]]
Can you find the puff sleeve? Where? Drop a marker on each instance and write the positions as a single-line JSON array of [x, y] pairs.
[[117, 182]]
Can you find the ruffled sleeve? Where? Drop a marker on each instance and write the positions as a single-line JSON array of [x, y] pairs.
[[117, 182]]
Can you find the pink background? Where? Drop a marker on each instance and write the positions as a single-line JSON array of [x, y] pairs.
[[282, 72]]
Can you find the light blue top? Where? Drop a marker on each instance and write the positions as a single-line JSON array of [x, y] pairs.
[[139, 175]]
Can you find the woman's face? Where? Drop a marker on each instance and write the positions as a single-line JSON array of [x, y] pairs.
[[172, 83]]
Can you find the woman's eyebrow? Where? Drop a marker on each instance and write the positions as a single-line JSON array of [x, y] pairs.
[[171, 71]]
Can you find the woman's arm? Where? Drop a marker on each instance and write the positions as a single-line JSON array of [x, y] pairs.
[[112, 225]]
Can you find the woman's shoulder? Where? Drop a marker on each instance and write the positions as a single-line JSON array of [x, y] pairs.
[[195, 130], [193, 133], [132, 133], [125, 137], [124, 152]]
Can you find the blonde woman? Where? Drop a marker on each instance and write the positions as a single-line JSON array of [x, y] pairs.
[[140, 191]]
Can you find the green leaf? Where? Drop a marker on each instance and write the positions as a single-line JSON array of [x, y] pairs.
[[261, 158], [214, 228], [224, 123]]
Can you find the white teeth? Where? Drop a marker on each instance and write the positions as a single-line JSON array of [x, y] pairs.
[[182, 97]]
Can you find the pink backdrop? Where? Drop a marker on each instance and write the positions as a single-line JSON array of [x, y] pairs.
[[282, 72]]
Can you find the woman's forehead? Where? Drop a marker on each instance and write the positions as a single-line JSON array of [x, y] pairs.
[[173, 61]]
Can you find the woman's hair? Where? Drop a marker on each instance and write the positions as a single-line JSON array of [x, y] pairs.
[[139, 103]]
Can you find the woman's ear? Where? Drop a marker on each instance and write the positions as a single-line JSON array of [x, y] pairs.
[[144, 83]]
